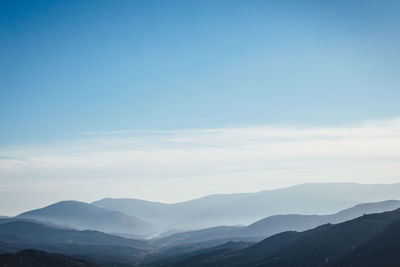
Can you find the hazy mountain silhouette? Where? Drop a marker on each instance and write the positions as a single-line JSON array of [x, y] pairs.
[[234, 209], [371, 239], [15, 219], [147, 210], [276, 224], [80, 215]]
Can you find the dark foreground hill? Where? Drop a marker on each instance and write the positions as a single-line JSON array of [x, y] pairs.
[[370, 240], [84, 216], [383, 250], [35, 258]]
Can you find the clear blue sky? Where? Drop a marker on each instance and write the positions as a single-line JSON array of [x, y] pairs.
[[68, 67]]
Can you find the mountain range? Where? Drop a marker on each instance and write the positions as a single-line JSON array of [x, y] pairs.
[[276, 224], [246, 208], [97, 234]]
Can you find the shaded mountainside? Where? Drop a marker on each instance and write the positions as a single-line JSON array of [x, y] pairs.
[[173, 258], [7, 248], [383, 250], [371, 238], [94, 246], [234, 209], [31, 231], [276, 224], [294, 222], [172, 255], [219, 232], [82, 216], [35, 258]]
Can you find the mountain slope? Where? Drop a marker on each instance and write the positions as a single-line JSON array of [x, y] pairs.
[[30, 231], [327, 244], [293, 222], [147, 210], [384, 250], [234, 209], [80, 215], [93, 246]]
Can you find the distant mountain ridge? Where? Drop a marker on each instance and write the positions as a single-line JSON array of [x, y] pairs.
[[142, 219], [84, 216], [246, 208]]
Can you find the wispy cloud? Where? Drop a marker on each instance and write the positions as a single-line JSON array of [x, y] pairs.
[[176, 165]]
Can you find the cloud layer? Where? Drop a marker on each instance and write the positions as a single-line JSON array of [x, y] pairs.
[[176, 165]]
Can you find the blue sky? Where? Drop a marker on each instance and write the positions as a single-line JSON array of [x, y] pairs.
[[75, 66], [132, 98]]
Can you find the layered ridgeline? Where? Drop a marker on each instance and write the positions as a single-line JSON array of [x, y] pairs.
[[139, 218], [275, 224], [246, 208], [80, 215], [104, 249], [370, 240]]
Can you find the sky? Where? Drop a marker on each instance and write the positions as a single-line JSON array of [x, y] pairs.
[[172, 100]]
